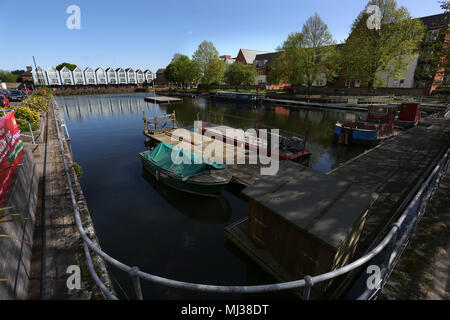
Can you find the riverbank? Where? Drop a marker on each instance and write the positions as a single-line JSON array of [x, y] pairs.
[[423, 271]]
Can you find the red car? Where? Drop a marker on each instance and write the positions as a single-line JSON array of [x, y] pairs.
[[4, 101], [26, 90]]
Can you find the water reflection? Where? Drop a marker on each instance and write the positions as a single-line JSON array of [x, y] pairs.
[[215, 210]]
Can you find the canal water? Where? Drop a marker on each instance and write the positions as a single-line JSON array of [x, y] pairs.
[[163, 231]]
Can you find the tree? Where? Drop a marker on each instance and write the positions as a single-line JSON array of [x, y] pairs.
[[391, 47], [7, 76], [287, 65], [69, 66], [211, 67], [182, 70], [238, 74], [319, 50]]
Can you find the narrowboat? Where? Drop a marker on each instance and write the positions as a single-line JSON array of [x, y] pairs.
[[290, 148], [239, 96], [409, 115], [193, 175], [379, 125]]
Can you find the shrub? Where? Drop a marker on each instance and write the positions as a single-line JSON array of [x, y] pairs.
[[44, 92], [78, 169], [36, 103], [26, 113]]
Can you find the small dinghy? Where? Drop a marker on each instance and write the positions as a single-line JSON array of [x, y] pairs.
[[193, 175]]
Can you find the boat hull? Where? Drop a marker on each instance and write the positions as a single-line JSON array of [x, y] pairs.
[[189, 185], [358, 137]]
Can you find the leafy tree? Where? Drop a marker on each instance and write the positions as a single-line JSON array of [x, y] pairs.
[[319, 51], [287, 64], [238, 74], [7, 76], [69, 66], [392, 46], [182, 70], [211, 67]]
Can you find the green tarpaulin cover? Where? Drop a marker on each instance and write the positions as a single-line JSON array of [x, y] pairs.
[[191, 164]]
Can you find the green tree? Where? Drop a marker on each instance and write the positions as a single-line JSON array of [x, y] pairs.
[[182, 70], [69, 66], [318, 53], [211, 67], [286, 66], [238, 74], [7, 76], [391, 47]]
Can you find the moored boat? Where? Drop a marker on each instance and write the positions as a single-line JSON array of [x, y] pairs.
[[196, 175], [290, 148], [378, 126], [409, 115]]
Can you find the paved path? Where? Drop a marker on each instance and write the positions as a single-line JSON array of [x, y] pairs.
[[423, 271]]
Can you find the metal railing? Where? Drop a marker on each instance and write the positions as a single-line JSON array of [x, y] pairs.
[[31, 135], [390, 246]]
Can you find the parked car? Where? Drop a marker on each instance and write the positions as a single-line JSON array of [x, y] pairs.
[[15, 95], [26, 91], [287, 88], [4, 101]]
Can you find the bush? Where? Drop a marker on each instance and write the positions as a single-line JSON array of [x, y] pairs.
[[44, 92], [78, 169], [26, 113], [36, 103], [23, 126]]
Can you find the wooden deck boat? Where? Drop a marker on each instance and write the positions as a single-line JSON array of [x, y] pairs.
[[239, 96], [378, 126], [291, 148], [409, 115], [197, 177]]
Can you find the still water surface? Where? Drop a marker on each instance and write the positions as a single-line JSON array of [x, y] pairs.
[[163, 231]]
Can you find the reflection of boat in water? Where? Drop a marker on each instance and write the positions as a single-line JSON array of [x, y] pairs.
[[212, 210], [378, 126], [197, 177]]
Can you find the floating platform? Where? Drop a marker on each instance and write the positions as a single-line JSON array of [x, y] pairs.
[[162, 99]]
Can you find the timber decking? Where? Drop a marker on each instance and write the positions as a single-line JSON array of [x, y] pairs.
[[162, 99], [393, 170]]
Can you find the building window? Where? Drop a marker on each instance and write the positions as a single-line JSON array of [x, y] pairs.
[[357, 83], [402, 82], [347, 83], [432, 35]]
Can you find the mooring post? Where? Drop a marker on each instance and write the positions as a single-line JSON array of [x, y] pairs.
[[308, 285], [136, 282]]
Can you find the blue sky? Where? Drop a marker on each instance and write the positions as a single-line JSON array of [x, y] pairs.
[[146, 34]]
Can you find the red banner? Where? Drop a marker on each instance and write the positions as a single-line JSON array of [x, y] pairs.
[[11, 150]]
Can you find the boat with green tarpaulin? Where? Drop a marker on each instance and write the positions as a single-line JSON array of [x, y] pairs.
[[193, 174]]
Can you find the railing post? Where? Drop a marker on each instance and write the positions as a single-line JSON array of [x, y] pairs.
[[308, 285], [136, 282]]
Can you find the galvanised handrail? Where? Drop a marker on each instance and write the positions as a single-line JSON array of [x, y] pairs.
[[307, 282], [29, 126]]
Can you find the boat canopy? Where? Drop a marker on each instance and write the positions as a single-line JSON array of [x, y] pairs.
[[191, 164]]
